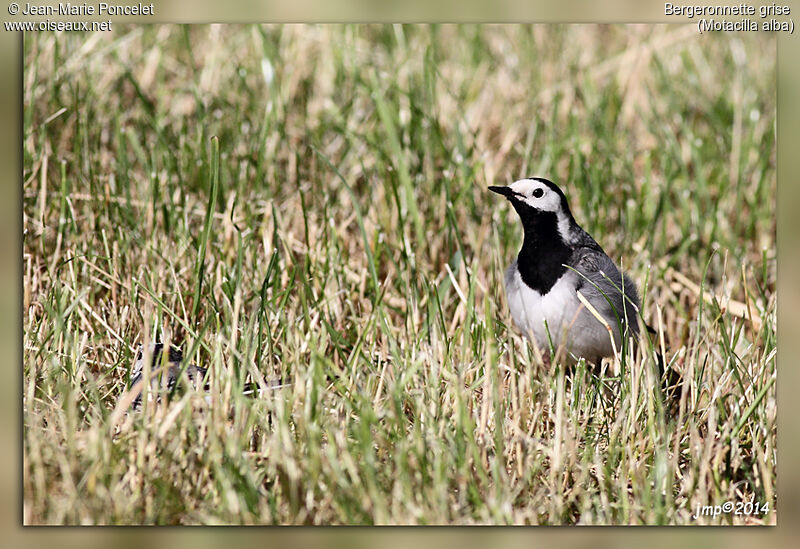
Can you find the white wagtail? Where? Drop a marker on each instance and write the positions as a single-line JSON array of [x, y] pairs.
[[168, 377], [558, 259]]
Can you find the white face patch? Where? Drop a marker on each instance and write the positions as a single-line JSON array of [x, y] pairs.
[[537, 195], [541, 197]]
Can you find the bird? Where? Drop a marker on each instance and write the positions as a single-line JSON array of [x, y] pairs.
[[170, 377], [167, 375], [558, 261]]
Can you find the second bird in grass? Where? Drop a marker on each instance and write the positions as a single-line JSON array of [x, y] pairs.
[[167, 370], [558, 259]]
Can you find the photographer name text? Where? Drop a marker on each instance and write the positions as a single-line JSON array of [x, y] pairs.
[[102, 8]]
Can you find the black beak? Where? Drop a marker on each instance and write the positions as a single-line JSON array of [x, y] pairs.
[[505, 191]]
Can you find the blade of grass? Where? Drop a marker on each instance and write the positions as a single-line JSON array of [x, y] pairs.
[[206, 235]]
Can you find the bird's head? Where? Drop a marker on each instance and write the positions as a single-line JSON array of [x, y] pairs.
[[154, 351], [534, 195], [540, 203]]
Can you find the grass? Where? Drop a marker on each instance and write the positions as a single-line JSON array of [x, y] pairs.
[[309, 203]]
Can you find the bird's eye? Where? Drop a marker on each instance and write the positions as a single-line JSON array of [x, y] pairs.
[[538, 193]]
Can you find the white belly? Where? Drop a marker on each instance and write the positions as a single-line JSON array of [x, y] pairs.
[[560, 313]]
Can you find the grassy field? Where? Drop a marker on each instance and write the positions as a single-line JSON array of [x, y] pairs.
[[309, 203]]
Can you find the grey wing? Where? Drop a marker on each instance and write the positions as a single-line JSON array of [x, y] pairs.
[[614, 296]]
